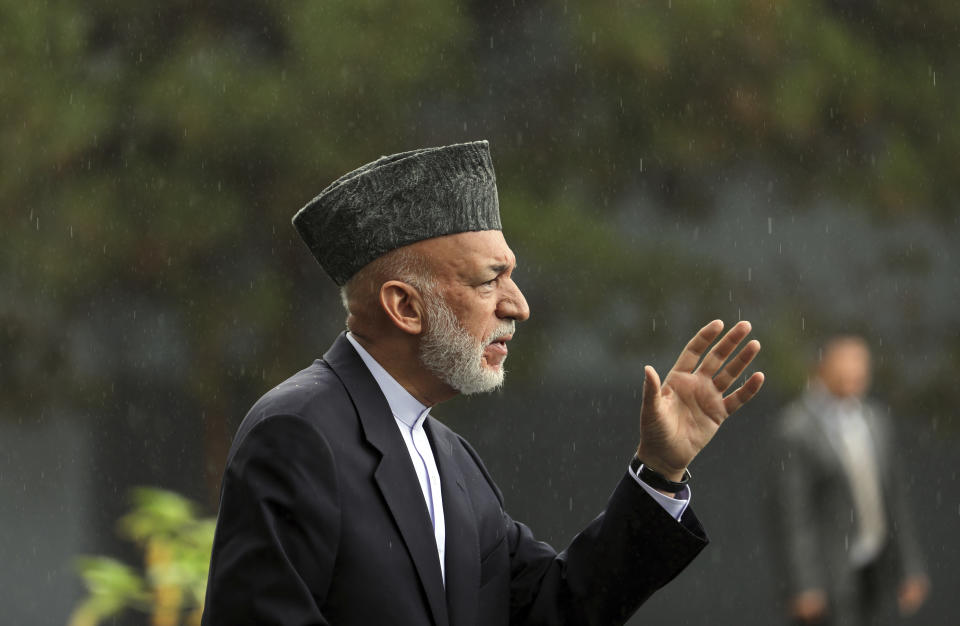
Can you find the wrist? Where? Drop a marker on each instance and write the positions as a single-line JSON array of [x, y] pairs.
[[656, 464], [653, 478]]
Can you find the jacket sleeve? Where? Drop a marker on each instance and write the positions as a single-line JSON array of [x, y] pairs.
[[903, 533], [609, 569], [277, 529], [794, 515]]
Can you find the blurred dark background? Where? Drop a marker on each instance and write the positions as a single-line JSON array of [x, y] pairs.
[[660, 164]]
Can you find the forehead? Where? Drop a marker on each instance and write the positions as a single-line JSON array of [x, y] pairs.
[[465, 254], [846, 352]]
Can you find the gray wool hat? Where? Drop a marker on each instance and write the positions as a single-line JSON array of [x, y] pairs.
[[398, 200]]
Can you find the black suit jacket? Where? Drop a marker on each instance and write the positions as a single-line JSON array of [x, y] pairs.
[[322, 521]]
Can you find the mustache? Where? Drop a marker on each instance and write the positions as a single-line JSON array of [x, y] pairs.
[[503, 329]]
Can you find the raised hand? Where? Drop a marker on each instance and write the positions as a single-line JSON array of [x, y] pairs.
[[679, 417]]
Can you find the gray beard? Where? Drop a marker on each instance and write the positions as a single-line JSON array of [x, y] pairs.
[[455, 356]]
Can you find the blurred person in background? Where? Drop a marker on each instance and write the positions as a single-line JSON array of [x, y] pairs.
[[845, 532]]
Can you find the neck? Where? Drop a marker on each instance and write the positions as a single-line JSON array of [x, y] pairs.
[[402, 361]]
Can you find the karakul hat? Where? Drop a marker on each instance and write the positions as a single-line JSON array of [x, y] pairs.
[[398, 200]]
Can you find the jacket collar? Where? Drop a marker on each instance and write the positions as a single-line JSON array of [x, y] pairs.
[[403, 405]]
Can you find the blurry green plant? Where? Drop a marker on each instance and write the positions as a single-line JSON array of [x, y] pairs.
[[176, 545]]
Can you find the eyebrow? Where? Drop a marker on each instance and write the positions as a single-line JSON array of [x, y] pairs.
[[500, 268]]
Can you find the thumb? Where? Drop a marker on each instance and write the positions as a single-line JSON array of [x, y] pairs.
[[651, 390]]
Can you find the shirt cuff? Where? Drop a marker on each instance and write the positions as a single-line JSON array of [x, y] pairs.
[[675, 506]]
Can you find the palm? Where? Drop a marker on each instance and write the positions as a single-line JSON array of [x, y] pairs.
[[679, 417]]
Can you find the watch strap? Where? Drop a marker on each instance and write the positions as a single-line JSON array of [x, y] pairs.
[[656, 479]]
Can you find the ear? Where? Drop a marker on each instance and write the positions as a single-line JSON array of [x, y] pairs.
[[403, 305]]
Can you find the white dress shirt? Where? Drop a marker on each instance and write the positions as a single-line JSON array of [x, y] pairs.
[[850, 434], [410, 415]]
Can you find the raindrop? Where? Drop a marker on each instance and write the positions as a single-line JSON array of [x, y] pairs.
[[749, 274], [769, 225]]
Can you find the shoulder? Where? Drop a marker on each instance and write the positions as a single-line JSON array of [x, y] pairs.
[[795, 421], [314, 399], [877, 411], [316, 388], [880, 421]]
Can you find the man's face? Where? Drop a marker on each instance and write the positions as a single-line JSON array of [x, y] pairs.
[[471, 316], [846, 369]]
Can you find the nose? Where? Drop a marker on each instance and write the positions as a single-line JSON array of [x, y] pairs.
[[513, 305]]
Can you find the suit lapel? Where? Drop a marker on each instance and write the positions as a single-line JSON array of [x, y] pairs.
[[395, 475], [462, 547], [823, 441], [878, 437]]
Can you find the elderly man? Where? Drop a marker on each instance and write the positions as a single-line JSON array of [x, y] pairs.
[[345, 502], [845, 531]]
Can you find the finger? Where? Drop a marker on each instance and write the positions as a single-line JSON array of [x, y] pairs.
[[735, 367], [742, 395], [651, 390], [695, 348], [721, 352]]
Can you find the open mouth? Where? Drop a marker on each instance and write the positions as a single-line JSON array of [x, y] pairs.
[[496, 351]]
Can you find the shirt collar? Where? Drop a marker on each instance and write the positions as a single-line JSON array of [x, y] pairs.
[[404, 406], [830, 407]]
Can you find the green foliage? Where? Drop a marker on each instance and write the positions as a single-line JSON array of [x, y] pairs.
[[176, 548], [849, 98], [113, 587], [154, 154]]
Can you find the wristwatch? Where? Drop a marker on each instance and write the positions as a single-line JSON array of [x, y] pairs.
[[658, 480]]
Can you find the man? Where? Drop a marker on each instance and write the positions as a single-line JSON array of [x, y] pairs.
[[345, 502], [845, 527]]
